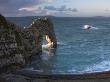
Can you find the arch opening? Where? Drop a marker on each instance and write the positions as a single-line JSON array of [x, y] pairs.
[[47, 42]]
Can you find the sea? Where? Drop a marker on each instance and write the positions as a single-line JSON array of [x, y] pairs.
[[79, 50]]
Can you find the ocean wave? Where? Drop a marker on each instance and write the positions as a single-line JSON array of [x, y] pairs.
[[95, 28], [103, 66], [44, 46], [89, 27], [61, 43], [58, 43]]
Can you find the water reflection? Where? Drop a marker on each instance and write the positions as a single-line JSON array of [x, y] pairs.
[[47, 54], [43, 61]]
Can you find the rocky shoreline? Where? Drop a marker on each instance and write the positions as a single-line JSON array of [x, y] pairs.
[[17, 44]]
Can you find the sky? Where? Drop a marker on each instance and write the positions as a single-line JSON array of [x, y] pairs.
[[60, 8]]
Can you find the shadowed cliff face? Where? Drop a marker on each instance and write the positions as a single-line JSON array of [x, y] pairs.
[[11, 51], [18, 44]]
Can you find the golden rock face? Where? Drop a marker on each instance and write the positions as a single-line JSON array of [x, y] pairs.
[[50, 43]]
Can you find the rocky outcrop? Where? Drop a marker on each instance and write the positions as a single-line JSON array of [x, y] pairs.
[[11, 48], [18, 44], [45, 27]]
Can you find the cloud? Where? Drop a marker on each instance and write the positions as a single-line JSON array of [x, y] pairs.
[[106, 10], [21, 3], [48, 10], [11, 7], [36, 10], [31, 7], [62, 8]]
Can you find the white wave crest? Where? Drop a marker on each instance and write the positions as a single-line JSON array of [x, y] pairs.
[[89, 27], [103, 66]]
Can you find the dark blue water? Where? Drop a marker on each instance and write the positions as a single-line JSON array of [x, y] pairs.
[[79, 50]]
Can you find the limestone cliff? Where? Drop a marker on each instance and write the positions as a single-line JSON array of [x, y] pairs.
[[11, 48], [18, 44], [45, 27]]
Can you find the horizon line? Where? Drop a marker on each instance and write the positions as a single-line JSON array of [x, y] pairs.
[[59, 16]]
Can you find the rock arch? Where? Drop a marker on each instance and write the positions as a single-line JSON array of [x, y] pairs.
[[45, 27], [18, 44]]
